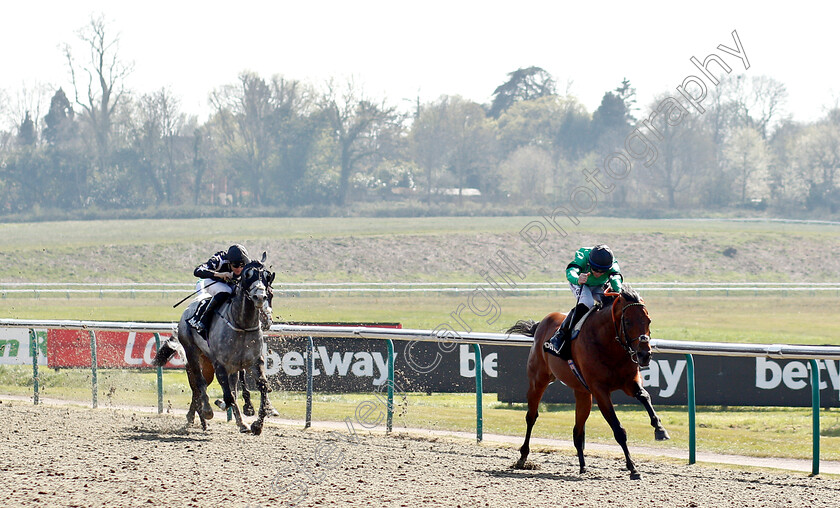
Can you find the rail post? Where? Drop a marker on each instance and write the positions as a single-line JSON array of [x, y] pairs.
[[692, 410], [479, 390], [815, 415], [390, 424], [94, 381], [33, 350], [159, 377], [310, 367]]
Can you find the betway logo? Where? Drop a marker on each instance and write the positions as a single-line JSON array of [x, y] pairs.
[[795, 374], [360, 364]]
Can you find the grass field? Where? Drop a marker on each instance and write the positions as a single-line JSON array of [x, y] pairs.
[[798, 319], [166, 251]]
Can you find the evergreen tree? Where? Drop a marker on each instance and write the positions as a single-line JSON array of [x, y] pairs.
[[26, 132]]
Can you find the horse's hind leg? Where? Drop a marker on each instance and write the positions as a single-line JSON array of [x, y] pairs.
[[199, 402], [607, 409], [583, 406], [644, 397], [536, 388], [228, 382]]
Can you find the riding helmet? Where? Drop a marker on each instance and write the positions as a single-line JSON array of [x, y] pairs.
[[237, 254], [601, 258]]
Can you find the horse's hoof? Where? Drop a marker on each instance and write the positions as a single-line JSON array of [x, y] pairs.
[[635, 475], [248, 410], [208, 415], [220, 404], [256, 428], [245, 430], [661, 435], [203, 425], [582, 470]]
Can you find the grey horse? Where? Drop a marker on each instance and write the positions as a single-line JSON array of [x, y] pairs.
[[235, 343]]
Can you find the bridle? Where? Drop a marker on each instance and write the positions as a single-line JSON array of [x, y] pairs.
[[257, 289], [621, 333]]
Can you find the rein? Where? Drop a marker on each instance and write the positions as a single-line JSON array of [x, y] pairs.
[[622, 330]]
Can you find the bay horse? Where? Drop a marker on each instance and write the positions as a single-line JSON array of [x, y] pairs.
[[234, 343], [613, 343]]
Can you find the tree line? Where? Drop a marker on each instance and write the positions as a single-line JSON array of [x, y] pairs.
[[278, 142]]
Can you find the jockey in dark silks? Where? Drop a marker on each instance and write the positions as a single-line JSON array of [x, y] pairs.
[[589, 274], [218, 277]]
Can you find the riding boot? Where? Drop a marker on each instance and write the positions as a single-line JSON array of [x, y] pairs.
[[558, 345], [207, 317]]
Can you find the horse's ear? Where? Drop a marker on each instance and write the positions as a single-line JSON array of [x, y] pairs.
[[262, 260]]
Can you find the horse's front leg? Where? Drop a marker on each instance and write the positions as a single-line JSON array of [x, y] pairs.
[[228, 382], [583, 406], [606, 406], [247, 407], [262, 385], [644, 397]]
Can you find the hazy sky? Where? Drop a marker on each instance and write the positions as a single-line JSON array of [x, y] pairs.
[[398, 50]]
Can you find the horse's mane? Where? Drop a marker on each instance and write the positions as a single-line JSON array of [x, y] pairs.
[[630, 294]]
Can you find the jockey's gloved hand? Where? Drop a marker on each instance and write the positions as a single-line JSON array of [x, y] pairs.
[[225, 276]]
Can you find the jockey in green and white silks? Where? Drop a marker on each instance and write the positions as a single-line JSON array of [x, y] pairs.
[[588, 279], [591, 271]]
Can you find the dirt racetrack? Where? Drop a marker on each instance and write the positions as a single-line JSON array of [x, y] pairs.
[[67, 456]]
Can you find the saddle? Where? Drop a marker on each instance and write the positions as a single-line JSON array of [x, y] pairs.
[[579, 324]]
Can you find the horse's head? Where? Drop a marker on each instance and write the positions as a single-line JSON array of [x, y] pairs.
[[254, 282], [632, 324]]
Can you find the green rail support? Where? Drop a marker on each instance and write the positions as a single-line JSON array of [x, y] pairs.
[[479, 390], [815, 410], [310, 368], [692, 410], [33, 350], [159, 377], [94, 381], [390, 425]]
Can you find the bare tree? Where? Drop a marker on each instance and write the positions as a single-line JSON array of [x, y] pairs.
[[685, 151], [161, 128], [98, 81], [357, 123], [747, 156], [758, 101], [244, 113], [817, 164]]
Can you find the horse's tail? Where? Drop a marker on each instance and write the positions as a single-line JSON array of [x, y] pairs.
[[168, 349], [524, 326]]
